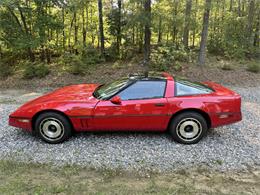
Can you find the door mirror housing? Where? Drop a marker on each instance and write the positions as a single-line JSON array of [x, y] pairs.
[[116, 100]]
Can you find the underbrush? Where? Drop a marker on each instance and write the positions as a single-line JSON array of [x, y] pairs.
[[7, 64], [80, 64], [165, 57], [254, 67], [5, 70], [35, 70]]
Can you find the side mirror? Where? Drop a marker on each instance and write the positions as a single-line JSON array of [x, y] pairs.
[[116, 100]]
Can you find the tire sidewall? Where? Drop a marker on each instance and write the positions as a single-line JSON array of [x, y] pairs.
[[177, 119], [66, 124]]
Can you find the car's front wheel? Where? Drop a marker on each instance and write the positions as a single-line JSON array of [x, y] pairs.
[[53, 128], [188, 127]]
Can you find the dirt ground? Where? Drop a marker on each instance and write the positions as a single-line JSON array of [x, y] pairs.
[[106, 72]]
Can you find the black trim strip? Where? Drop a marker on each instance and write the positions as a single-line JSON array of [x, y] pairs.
[[128, 115], [228, 113], [17, 117]]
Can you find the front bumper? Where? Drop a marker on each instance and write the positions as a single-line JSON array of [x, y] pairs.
[[23, 123]]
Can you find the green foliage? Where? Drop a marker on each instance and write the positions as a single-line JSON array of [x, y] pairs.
[[5, 69], [80, 64], [34, 70], [91, 56], [233, 42], [254, 67], [112, 53], [55, 27], [75, 64], [165, 57]]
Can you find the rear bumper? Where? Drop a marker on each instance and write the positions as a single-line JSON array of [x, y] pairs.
[[225, 118], [23, 123]]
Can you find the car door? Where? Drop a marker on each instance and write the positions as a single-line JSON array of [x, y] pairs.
[[143, 107]]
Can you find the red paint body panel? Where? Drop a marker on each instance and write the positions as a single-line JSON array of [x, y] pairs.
[[15, 122], [88, 113], [131, 115]]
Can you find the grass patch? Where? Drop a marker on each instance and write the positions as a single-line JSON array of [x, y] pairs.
[[21, 178]]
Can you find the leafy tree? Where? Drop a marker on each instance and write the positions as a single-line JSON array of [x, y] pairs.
[[41, 30]]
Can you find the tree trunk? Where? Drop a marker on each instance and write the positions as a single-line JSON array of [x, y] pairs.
[[63, 30], [243, 7], [133, 35], [101, 28], [204, 34], [187, 23], [29, 49], [140, 38], [231, 5], [118, 39], [87, 22], [215, 21], [257, 31], [175, 30], [160, 31], [48, 55], [75, 33], [239, 8], [70, 29], [250, 22], [194, 29], [91, 23], [84, 33], [147, 31]]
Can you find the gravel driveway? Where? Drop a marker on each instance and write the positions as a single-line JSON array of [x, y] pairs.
[[226, 148]]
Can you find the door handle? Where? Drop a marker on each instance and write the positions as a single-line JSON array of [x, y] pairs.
[[159, 104]]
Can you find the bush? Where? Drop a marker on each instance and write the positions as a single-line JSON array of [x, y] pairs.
[[91, 56], [227, 67], [80, 64], [254, 67], [5, 70], [165, 57], [33, 70], [75, 64]]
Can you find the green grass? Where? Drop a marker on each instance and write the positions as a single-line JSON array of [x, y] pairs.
[[22, 178]]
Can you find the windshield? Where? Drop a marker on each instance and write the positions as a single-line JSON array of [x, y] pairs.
[[107, 90]]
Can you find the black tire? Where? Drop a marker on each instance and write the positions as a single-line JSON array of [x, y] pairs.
[[188, 127], [52, 127]]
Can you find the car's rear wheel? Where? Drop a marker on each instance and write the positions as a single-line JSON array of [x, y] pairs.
[[53, 128], [188, 127]]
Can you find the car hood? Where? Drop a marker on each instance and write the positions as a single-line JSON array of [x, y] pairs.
[[72, 93]]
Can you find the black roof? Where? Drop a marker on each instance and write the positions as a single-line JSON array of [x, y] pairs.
[[147, 76]]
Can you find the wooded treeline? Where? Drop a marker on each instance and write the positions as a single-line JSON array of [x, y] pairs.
[[119, 29]]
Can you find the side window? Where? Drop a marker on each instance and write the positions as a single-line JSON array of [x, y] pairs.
[[144, 90], [189, 88]]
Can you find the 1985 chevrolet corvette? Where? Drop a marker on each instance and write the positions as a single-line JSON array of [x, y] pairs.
[[140, 102]]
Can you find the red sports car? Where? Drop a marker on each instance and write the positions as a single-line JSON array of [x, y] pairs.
[[140, 102]]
